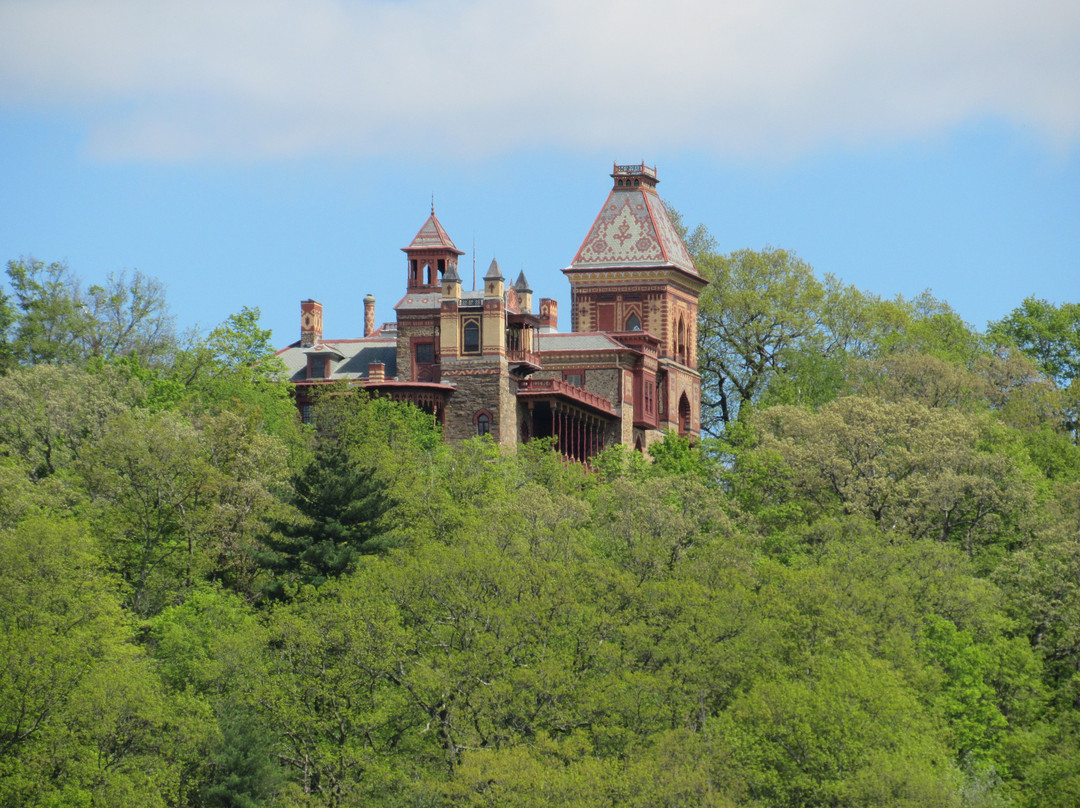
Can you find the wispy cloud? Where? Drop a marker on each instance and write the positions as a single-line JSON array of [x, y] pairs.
[[258, 79]]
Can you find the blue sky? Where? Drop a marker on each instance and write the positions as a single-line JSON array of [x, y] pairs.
[[258, 153]]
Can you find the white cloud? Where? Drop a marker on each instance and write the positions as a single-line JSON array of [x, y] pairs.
[[256, 79]]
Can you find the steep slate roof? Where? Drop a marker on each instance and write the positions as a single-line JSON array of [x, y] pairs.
[[357, 355], [577, 341], [432, 236], [420, 300], [633, 228]]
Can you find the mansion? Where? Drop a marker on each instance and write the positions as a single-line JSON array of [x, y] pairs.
[[487, 361]]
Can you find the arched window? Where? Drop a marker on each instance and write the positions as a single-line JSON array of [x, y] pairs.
[[483, 423], [633, 323], [680, 340], [427, 274], [684, 415], [471, 337]]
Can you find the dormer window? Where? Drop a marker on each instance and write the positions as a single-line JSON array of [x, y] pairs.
[[318, 367]]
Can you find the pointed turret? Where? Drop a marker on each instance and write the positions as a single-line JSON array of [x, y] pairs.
[[494, 281], [524, 293], [429, 255], [451, 283]]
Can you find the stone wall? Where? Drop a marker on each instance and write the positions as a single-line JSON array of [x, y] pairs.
[[408, 328], [481, 387]]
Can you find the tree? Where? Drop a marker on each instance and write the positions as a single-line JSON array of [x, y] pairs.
[[50, 414], [83, 717], [57, 322], [150, 476], [238, 346], [757, 307], [1048, 333], [128, 315], [59, 616], [178, 502], [845, 730], [343, 504], [7, 320], [49, 320], [909, 468]]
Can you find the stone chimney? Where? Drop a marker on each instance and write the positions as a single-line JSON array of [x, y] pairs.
[[376, 372], [310, 323], [549, 315], [369, 315]]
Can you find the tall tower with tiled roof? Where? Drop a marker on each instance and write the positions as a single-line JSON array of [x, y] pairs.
[[633, 273]]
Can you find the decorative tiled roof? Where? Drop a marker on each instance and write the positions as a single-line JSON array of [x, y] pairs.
[[432, 236], [633, 228]]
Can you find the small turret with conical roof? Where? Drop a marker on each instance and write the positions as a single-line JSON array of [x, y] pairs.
[[494, 281], [524, 293], [451, 283], [429, 255]]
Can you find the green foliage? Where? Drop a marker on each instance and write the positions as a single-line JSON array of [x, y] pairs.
[[56, 322], [1048, 333], [50, 415], [757, 307], [342, 506], [675, 455], [83, 720], [865, 592], [909, 468]]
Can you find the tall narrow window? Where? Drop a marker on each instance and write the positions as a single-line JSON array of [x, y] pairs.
[[633, 323], [684, 415], [483, 423], [471, 337]]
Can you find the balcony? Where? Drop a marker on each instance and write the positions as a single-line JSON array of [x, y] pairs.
[[526, 361], [557, 387]]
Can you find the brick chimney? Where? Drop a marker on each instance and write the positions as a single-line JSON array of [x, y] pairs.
[[549, 315], [369, 315], [376, 372], [310, 323]]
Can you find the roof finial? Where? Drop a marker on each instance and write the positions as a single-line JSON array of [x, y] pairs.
[[433, 204]]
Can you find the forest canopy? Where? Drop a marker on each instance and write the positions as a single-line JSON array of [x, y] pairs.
[[861, 589]]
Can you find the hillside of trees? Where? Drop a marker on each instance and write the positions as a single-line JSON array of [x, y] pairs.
[[861, 589]]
